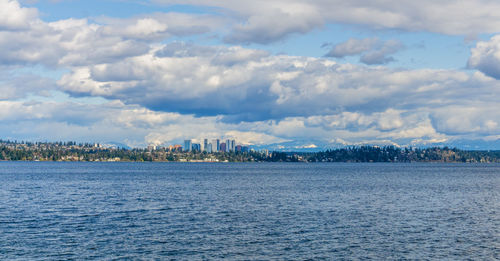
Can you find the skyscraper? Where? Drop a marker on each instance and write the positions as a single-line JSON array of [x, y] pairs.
[[205, 145], [215, 145], [228, 145], [233, 145], [187, 145]]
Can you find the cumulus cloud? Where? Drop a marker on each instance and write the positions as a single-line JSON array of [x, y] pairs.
[[163, 93], [14, 17], [290, 97], [73, 120], [485, 57], [479, 119], [275, 23], [250, 85], [264, 21], [158, 26], [372, 50], [77, 42], [115, 121]]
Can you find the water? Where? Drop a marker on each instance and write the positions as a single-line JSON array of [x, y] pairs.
[[281, 211]]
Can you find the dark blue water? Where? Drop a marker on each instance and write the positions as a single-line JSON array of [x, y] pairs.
[[248, 211]]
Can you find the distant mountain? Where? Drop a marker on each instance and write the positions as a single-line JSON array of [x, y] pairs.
[[319, 145], [475, 144], [115, 145]]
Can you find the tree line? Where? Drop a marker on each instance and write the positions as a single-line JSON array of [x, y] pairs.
[[71, 151]]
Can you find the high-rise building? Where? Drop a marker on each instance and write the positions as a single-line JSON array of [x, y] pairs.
[[228, 145], [187, 145], [233, 145], [205, 145], [196, 147], [215, 145], [208, 149], [223, 147]]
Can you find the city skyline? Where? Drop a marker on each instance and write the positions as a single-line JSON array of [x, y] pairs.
[[216, 145], [280, 75]]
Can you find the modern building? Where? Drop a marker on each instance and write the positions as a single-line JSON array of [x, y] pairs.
[[233, 145], [196, 147], [215, 145], [188, 145], [205, 145], [223, 147]]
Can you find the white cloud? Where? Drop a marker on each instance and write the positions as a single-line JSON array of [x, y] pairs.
[[263, 21], [165, 93], [24, 39], [158, 26], [14, 17], [255, 86], [485, 57]]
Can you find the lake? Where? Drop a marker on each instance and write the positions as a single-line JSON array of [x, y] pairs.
[[240, 211]]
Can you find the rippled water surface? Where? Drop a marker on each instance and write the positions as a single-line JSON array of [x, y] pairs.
[[238, 211]]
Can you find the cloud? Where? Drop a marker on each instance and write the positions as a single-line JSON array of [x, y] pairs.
[[372, 50], [111, 121], [250, 85], [115, 121], [294, 98], [485, 57], [13, 17], [275, 23], [22, 85], [158, 26], [478, 119], [162, 93], [352, 46], [381, 54], [138, 126], [268, 21], [26, 40]]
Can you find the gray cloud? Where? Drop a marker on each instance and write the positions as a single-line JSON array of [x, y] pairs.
[[352, 47], [372, 50]]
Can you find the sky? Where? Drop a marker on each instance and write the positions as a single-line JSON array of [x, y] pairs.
[[276, 74]]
